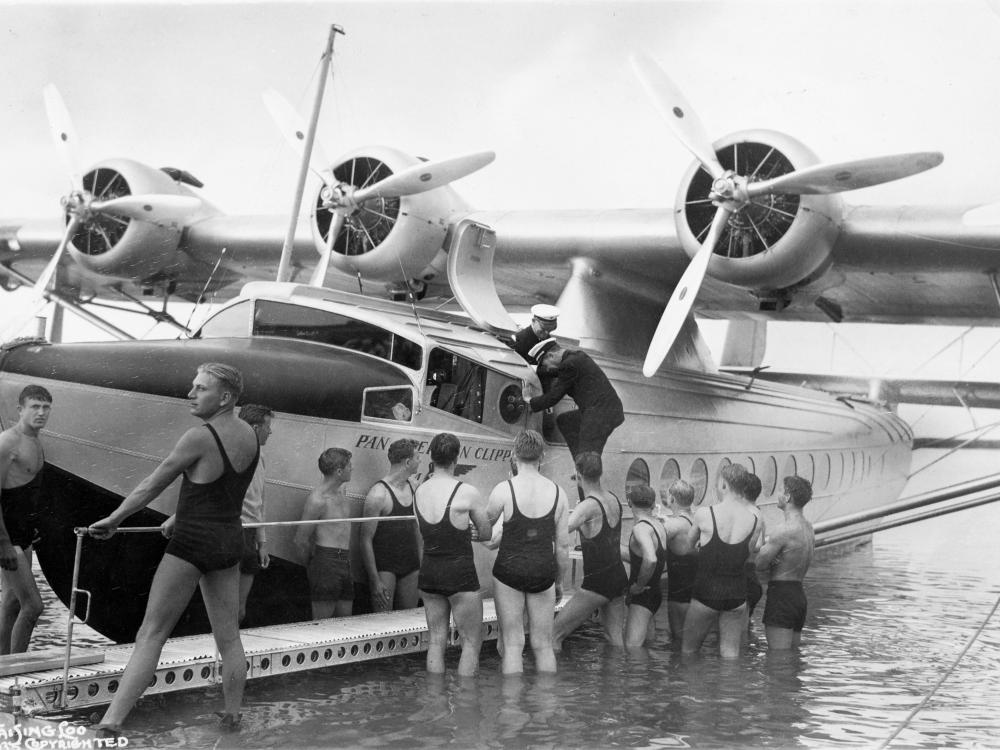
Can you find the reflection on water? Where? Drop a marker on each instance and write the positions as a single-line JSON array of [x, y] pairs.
[[885, 621]]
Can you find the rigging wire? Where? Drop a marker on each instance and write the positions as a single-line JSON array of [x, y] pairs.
[[940, 682]]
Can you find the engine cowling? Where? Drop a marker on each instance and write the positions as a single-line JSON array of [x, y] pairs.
[[773, 243], [391, 240], [119, 246]]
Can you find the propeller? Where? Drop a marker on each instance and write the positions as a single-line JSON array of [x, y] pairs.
[[163, 210], [287, 118], [731, 192], [63, 134], [426, 176], [344, 199]]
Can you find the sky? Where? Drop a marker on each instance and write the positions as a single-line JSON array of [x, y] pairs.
[[547, 85]]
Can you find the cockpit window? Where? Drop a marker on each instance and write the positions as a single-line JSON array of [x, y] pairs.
[[228, 323], [456, 384], [310, 324]]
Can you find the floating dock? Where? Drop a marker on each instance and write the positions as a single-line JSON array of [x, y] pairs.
[[192, 662]]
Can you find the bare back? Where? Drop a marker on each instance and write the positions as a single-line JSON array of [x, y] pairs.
[[734, 522], [238, 439], [535, 496], [789, 551], [678, 534], [335, 504]]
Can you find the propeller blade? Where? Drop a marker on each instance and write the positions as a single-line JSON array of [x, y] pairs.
[[42, 283], [983, 216], [847, 175], [163, 210], [672, 104], [292, 127], [319, 272], [63, 133], [683, 297], [425, 176]]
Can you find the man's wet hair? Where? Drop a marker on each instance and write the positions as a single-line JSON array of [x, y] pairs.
[[333, 459], [589, 466], [799, 490], [737, 477], [529, 446], [642, 496], [445, 448], [37, 392], [400, 450], [255, 414], [753, 487], [682, 493], [228, 376]]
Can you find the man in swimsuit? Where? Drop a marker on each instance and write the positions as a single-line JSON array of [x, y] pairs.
[[533, 556], [682, 555], [599, 410], [327, 546], [255, 556], [21, 461], [391, 551], [598, 518], [647, 556], [448, 582], [785, 558], [754, 590], [217, 460], [726, 532]]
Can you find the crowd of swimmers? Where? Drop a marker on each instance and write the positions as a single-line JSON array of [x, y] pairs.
[[705, 560]]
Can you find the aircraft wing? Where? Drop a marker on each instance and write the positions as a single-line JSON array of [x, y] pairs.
[[886, 264]]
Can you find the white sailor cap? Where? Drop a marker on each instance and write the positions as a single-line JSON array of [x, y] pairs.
[[545, 312], [536, 352]]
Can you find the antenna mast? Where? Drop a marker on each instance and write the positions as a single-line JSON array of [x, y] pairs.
[[310, 137]]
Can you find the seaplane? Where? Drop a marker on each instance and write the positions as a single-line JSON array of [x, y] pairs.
[[399, 331]]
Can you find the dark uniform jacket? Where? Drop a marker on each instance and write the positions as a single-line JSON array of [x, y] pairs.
[[580, 378], [523, 340]]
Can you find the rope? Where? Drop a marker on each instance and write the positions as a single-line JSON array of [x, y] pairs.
[[944, 677], [82, 530]]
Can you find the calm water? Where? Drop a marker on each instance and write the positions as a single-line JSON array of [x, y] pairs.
[[886, 620]]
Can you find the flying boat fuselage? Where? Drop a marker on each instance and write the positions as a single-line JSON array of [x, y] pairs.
[[358, 373]]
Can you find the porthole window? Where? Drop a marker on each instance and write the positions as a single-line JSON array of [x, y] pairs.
[[699, 479], [638, 473], [881, 466], [822, 472], [722, 465], [854, 469], [808, 469], [868, 467], [670, 474], [841, 471], [791, 467], [750, 465], [769, 475]]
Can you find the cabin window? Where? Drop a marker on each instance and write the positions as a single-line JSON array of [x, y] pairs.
[[638, 473], [324, 327], [750, 466], [392, 403], [809, 469], [231, 322], [823, 470], [791, 467], [769, 479], [699, 479], [670, 474], [841, 475], [456, 384], [722, 465]]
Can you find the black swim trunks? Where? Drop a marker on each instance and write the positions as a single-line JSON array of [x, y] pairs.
[[786, 605], [329, 573], [19, 506]]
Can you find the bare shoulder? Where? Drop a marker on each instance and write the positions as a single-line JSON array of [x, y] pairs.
[[9, 440], [469, 494]]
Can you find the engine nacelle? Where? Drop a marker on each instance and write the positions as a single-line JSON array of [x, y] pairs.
[[777, 241], [118, 246], [391, 240]]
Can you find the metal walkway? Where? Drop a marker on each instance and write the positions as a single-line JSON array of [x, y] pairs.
[[191, 662]]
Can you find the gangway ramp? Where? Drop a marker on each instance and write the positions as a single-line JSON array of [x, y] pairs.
[[191, 662]]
